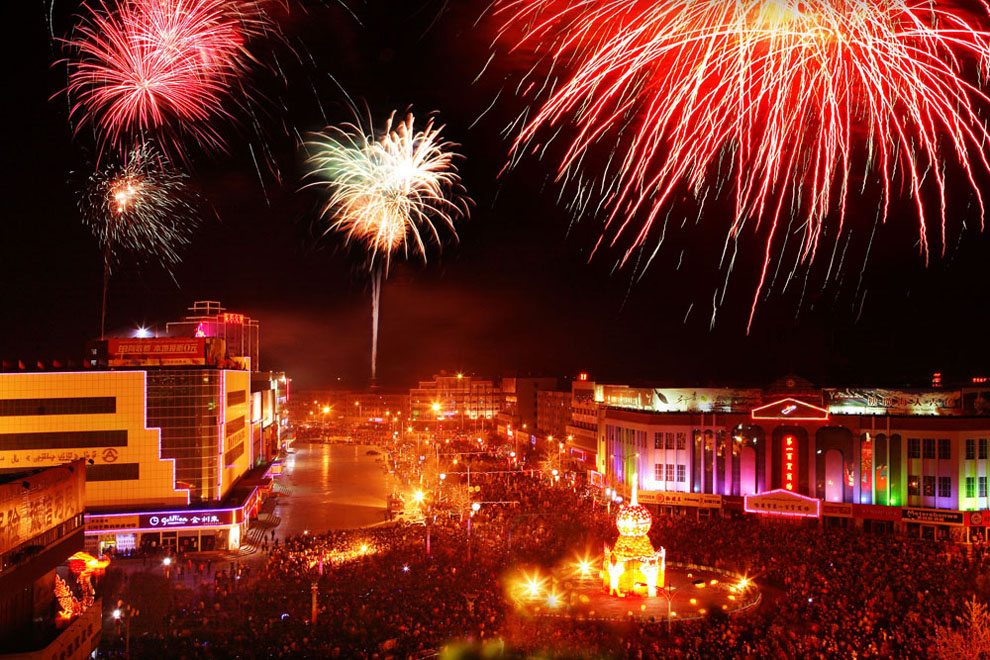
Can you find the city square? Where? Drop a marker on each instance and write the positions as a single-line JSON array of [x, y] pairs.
[[495, 329]]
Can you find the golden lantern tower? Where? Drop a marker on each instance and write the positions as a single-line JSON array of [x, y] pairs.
[[632, 566]]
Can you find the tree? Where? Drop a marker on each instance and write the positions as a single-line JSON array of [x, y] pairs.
[[970, 640]]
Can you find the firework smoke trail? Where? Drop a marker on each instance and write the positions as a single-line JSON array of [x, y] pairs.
[[142, 207], [791, 95], [389, 193], [160, 67]]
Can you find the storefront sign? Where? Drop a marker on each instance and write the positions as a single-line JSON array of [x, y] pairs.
[[94, 523], [167, 520], [933, 516], [837, 509], [789, 465], [877, 512], [783, 503], [978, 518], [672, 498], [34, 504]]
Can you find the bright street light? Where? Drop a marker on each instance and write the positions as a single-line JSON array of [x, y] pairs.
[[167, 561], [475, 506], [116, 614]]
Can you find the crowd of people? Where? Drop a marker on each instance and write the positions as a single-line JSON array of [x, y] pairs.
[[409, 590]]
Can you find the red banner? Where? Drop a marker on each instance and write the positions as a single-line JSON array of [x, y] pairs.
[[174, 351]]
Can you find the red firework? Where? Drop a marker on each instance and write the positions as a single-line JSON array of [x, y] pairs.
[[159, 66], [794, 103]]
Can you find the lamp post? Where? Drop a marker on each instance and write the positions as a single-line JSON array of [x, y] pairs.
[[124, 612]]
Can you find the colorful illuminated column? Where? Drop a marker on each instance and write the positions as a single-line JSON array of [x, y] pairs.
[[789, 466]]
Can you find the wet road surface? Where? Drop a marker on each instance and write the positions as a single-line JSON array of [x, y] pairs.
[[330, 487]]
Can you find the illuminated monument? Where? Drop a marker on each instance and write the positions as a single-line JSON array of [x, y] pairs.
[[633, 567]]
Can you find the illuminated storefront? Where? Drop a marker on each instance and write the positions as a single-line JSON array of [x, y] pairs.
[[856, 452]]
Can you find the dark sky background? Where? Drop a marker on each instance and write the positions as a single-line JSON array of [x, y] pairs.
[[518, 292]]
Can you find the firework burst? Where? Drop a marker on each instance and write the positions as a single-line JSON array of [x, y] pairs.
[[392, 192], [388, 193], [160, 67], [142, 208], [794, 104]]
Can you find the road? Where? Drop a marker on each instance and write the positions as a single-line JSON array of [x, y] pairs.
[[330, 487]]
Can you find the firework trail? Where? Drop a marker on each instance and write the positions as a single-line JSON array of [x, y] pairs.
[[164, 68], [389, 193], [794, 104], [143, 208]]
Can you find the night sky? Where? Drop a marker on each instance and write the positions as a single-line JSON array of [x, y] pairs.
[[517, 293]]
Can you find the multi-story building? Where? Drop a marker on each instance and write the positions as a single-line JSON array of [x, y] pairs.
[[917, 457], [44, 614], [208, 318], [170, 430], [553, 413], [461, 402], [520, 403]]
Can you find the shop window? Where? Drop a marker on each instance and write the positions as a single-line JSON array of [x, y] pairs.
[[929, 486], [929, 447], [945, 487], [970, 487], [914, 448], [970, 449], [914, 485], [944, 448]]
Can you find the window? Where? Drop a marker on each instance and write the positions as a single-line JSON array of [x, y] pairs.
[[970, 449], [970, 487], [231, 456], [944, 448], [982, 481], [983, 448], [113, 472], [658, 472], [929, 447], [914, 448], [670, 441], [657, 443], [670, 472], [681, 474], [929, 486], [62, 440], [945, 486], [236, 397], [913, 483], [681, 442], [84, 405], [235, 425]]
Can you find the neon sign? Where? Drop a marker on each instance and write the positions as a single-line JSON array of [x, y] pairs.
[[790, 409], [233, 318], [790, 463]]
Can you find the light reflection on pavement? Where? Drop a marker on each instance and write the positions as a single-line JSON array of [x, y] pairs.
[[330, 487]]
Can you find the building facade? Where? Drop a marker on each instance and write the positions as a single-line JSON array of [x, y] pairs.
[[553, 413], [916, 457], [46, 610], [460, 402]]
